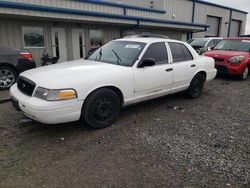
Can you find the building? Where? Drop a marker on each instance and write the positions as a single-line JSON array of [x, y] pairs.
[[69, 28]]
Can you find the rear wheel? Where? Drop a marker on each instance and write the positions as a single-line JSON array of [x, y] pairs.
[[7, 77], [245, 73], [101, 108], [196, 86]]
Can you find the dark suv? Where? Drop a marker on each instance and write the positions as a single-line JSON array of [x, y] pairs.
[[12, 63]]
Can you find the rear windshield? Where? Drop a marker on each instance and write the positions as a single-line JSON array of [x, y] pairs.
[[234, 45]]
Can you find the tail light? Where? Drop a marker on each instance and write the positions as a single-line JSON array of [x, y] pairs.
[[26, 55]]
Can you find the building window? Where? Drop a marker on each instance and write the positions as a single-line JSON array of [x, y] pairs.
[[33, 37], [96, 38], [214, 26]]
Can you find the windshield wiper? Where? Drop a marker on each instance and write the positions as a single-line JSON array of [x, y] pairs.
[[100, 55], [117, 56]]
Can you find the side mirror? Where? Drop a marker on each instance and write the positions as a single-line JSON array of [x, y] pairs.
[[148, 62]]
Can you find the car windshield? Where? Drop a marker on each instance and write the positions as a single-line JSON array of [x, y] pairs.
[[123, 53], [234, 45], [199, 42]]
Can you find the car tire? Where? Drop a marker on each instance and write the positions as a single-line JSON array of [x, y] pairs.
[[196, 86], [101, 108], [245, 73], [8, 77]]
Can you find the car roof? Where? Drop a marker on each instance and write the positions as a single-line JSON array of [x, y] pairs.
[[208, 38], [147, 40], [237, 38]]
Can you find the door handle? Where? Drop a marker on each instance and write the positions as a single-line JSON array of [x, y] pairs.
[[193, 65], [169, 70]]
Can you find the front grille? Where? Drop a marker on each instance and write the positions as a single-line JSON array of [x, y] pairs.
[[25, 85], [216, 59], [221, 68]]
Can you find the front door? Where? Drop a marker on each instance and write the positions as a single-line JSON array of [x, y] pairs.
[[78, 43], [157, 78], [59, 43]]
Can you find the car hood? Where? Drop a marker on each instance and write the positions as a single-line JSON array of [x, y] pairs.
[[224, 53], [68, 74]]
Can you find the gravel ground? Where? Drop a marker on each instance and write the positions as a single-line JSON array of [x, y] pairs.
[[168, 142]]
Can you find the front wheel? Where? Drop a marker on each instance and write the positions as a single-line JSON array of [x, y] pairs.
[[245, 73], [196, 86], [101, 108]]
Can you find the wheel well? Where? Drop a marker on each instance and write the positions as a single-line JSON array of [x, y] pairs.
[[115, 89], [204, 74], [9, 66]]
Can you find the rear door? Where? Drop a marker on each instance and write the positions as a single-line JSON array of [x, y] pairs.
[[149, 80], [184, 66]]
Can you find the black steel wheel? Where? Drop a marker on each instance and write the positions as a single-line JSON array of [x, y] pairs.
[[101, 108], [196, 86]]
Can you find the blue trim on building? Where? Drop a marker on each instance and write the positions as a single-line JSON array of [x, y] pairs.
[[124, 6], [220, 6], [90, 13]]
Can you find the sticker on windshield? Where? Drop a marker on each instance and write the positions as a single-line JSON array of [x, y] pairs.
[[134, 46]]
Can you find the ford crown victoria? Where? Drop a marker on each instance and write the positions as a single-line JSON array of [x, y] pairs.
[[122, 72]]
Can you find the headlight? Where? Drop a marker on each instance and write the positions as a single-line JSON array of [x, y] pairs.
[[55, 94], [236, 59]]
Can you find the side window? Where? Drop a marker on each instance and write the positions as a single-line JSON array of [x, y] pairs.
[[188, 55], [180, 52], [177, 52], [158, 52]]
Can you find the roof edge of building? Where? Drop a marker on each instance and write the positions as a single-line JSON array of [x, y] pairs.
[[43, 8], [220, 6]]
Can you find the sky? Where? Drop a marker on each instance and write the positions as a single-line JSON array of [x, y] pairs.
[[237, 4]]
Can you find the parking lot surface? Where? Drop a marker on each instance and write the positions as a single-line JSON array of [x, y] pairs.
[[168, 142]]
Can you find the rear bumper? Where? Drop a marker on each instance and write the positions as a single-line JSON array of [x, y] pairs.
[[47, 112], [25, 64], [211, 74]]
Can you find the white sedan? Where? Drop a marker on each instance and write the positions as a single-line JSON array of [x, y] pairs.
[[122, 72]]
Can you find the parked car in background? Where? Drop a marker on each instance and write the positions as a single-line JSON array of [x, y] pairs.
[[122, 72], [232, 56], [202, 45], [245, 36], [12, 63]]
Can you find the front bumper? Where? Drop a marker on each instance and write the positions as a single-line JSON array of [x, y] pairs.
[[47, 112], [228, 68]]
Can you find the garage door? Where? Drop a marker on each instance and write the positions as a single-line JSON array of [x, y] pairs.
[[235, 28], [214, 23]]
